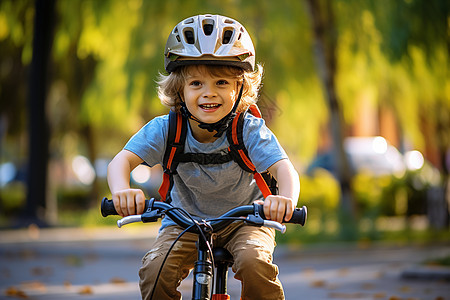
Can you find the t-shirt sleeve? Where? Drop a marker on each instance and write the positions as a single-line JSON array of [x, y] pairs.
[[150, 141], [262, 145]]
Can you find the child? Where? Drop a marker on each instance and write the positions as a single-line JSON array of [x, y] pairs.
[[211, 65]]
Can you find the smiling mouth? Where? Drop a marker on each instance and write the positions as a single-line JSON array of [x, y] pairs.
[[209, 106]]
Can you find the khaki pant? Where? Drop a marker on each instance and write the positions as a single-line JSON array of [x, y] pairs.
[[252, 249]]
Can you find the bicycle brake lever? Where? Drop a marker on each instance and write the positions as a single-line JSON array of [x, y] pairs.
[[255, 220], [258, 221], [128, 220], [275, 225]]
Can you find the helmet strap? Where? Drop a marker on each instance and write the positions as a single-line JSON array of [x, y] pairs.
[[219, 126]]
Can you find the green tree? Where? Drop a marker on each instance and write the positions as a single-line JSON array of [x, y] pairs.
[[415, 37]]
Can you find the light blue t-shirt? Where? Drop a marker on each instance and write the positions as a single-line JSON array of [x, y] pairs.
[[208, 191]]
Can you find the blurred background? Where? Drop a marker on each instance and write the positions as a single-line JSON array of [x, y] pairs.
[[358, 93]]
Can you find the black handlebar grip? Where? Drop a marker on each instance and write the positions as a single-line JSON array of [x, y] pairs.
[[298, 216], [107, 208]]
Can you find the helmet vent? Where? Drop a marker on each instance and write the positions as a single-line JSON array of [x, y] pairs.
[[177, 36], [189, 35], [227, 36], [228, 21], [208, 29], [240, 34]]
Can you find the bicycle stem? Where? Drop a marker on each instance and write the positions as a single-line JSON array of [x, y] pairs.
[[203, 268]]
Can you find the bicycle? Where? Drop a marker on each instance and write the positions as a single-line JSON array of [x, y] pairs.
[[207, 255]]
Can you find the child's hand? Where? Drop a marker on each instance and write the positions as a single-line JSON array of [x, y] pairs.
[[129, 202], [276, 207]]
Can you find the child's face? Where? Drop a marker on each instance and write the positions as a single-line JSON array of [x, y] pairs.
[[209, 97]]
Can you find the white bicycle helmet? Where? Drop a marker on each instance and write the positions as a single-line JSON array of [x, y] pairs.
[[209, 39]]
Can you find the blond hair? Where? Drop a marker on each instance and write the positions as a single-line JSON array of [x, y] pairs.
[[171, 86]]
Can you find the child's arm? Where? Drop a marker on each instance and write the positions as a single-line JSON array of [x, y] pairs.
[[276, 206], [127, 201]]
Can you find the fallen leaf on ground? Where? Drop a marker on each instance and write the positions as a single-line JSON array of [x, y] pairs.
[[15, 292], [86, 290], [117, 280], [318, 283]]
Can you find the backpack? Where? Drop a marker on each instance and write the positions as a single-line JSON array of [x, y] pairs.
[[174, 153]]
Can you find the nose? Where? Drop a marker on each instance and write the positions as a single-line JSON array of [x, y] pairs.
[[209, 91]]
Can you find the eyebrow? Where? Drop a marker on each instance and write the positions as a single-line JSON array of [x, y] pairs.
[[198, 76]]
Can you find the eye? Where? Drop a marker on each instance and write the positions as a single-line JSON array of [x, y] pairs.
[[222, 82], [195, 83]]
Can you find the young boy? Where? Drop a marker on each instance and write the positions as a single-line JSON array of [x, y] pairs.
[[211, 64]]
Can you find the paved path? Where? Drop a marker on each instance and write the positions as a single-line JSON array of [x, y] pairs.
[[102, 264]]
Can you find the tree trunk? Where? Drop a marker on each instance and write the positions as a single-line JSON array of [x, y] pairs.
[[38, 123], [325, 52]]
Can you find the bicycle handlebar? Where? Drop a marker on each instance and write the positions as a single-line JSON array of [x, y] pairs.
[[154, 210]]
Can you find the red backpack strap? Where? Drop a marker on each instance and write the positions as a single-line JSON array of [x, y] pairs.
[[240, 154], [174, 146], [254, 110], [262, 184], [236, 141]]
